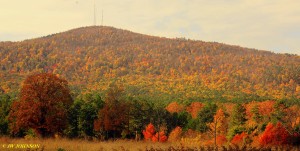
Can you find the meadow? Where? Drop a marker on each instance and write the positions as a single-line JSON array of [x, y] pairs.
[[63, 144]]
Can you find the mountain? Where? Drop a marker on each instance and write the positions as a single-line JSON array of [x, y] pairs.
[[91, 58]]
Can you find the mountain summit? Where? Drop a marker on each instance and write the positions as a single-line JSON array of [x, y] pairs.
[[90, 58]]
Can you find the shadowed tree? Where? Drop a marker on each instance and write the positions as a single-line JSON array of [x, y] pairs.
[[42, 105], [92, 103], [206, 115], [5, 104], [114, 116]]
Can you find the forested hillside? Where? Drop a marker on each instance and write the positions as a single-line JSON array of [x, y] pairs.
[[91, 58], [103, 83]]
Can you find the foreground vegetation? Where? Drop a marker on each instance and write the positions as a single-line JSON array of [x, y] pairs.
[[45, 109], [59, 144]]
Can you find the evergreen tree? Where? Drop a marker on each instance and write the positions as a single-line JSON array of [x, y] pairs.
[[81, 115], [72, 130], [206, 115], [279, 114], [5, 103], [257, 117], [238, 117]]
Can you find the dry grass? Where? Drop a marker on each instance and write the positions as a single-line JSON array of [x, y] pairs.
[[61, 144], [84, 145]]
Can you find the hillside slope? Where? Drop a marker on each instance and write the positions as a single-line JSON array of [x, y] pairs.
[[90, 58]]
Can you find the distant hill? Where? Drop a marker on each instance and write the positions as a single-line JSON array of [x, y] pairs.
[[90, 58]]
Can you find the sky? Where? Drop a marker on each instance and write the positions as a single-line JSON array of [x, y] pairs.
[[272, 25]]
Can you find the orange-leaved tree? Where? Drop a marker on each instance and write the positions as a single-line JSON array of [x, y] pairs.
[[175, 107], [218, 126], [194, 108], [175, 135], [42, 105]]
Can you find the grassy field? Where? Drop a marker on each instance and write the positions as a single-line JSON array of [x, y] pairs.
[[9, 144], [80, 145]]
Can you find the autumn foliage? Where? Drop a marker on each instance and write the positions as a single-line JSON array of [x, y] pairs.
[[239, 139], [203, 81], [150, 134], [274, 135], [194, 108], [175, 107], [221, 140], [219, 124], [176, 134], [160, 136], [114, 115], [42, 105], [191, 69]]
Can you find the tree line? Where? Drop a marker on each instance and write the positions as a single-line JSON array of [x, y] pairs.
[[45, 108]]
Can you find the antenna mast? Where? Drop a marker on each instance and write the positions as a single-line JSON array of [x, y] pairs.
[[95, 13], [102, 18]]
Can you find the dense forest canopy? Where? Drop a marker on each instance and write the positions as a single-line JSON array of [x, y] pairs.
[[91, 58], [105, 83]]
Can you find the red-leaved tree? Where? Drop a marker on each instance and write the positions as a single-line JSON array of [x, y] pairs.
[[161, 136], [221, 140], [239, 139], [274, 135], [150, 134], [113, 117], [42, 105]]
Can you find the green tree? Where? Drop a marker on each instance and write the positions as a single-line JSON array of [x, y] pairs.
[[238, 116], [139, 112], [180, 119], [235, 130], [5, 104], [257, 117], [206, 115], [279, 113], [72, 130], [238, 119], [191, 123], [89, 109]]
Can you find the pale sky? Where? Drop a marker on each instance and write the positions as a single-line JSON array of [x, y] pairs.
[[272, 25]]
